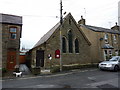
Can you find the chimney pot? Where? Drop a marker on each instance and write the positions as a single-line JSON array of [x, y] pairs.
[[81, 21], [81, 17]]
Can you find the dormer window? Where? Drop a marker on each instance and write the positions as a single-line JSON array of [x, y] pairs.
[[13, 32]]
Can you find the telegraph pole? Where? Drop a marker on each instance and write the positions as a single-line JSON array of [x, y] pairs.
[[61, 17], [61, 21]]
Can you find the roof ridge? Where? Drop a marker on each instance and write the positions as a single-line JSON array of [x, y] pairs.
[[100, 29]]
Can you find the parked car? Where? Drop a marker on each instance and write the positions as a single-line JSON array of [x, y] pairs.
[[112, 64]]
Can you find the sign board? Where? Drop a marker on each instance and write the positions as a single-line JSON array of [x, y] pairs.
[[49, 56]]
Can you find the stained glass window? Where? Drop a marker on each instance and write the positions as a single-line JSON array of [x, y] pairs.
[[76, 46], [63, 45]]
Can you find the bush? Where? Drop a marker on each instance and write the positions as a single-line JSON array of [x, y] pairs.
[[55, 69]]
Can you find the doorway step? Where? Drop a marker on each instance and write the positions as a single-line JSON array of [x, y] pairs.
[[45, 71]]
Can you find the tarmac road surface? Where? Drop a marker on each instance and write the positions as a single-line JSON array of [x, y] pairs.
[[89, 78]]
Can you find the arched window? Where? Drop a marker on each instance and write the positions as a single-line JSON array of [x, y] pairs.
[[76, 46], [70, 44], [63, 45]]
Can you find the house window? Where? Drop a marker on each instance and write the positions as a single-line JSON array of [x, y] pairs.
[[115, 37], [70, 42], [13, 33], [106, 38], [76, 46], [106, 52], [110, 52], [63, 45]]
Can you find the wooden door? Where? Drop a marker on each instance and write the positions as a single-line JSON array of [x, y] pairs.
[[11, 60], [40, 58]]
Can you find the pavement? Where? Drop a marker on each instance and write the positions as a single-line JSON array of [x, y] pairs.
[[10, 76]]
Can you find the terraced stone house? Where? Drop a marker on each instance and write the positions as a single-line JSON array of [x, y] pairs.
[[104, 42], [10, 28]]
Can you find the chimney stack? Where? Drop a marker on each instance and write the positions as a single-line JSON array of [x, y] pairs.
[[81, 21], [116, 27]]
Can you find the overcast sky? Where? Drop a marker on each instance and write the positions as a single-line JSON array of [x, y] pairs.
[[39, 16]]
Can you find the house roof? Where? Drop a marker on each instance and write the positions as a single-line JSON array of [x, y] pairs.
[[10, 19], [100, 29], [47, 35], [50, 32]]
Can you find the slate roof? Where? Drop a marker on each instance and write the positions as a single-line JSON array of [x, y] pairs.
[[100, 29], [10, 19], [47, 35]]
